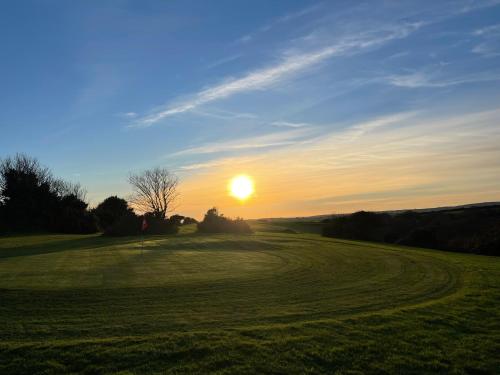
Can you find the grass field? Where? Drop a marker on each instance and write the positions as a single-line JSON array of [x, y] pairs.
[[272, 302]]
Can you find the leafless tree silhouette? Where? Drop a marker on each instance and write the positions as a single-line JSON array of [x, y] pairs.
[[154, 191]]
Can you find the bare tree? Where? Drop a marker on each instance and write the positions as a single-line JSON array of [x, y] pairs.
[[155, 191]]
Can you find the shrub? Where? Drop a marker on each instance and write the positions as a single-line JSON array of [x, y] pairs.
[[214, 222], [110, 210], [189, 220], [131, 225], [161, 226], [127, 225]]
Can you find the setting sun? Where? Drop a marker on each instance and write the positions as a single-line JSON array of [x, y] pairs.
[[241, 187]]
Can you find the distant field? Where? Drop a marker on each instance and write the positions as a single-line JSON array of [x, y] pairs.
[[280, 301]]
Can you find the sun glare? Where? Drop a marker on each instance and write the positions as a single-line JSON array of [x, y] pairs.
[[241, 187]]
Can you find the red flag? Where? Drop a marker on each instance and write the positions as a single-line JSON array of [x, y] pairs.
[[144, 224]]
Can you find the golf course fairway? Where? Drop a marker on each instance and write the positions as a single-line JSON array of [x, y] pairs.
[[271, 302]]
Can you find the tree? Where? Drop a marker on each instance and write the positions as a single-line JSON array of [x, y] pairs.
[[154, 191], [110, 210], [32, 199], [27, 193], [73, 216]]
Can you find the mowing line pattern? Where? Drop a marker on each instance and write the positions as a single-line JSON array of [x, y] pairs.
[[225, 280]]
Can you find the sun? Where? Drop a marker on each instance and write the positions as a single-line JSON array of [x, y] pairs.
[[241, 187]]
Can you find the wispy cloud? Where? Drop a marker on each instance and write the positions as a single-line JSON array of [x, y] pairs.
[[280, 20], [129, 115], [472, 6], [299, 134], [209, 164], [223, 61], [263, 141], [489, 37], [423, 79], [398, 55], [224, 114], [232, 162], [487, 49], [361, 129], [290, 66], [487, 30], [288, 124]]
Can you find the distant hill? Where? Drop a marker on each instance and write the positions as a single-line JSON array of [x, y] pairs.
[[433, 209]]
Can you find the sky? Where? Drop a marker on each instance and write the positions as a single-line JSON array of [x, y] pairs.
[[330, 106]]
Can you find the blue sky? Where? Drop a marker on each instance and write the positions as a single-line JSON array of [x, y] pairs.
[[331, 106]]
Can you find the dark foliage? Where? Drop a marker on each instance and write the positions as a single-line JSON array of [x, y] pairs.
[[214, 222], [176, 219], [182, 220], [468, 230], [131, 225], [189, 220], [127, 225], [161, 226], [73, 217], [109, 211], [31, 199]]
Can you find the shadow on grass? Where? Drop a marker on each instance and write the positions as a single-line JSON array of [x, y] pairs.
[[91, 242], [162, 242], [210, 244]]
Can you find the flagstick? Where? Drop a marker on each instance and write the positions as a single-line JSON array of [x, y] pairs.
[[144, 226]]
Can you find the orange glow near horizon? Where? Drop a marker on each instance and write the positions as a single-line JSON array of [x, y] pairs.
[[392, 168]]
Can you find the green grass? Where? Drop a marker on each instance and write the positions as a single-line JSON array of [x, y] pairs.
[[273, 302]]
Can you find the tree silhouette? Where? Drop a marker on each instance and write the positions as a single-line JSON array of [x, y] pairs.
[[110, 210], [32, 199], [155, 191]]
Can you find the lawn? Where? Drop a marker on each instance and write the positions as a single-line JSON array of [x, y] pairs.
[[272, 302]]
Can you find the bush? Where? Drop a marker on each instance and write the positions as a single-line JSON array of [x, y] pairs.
[[179, 220], [214, 222], [110, 210], [189, 220], [161, 226], [131, 225], [127, 225]]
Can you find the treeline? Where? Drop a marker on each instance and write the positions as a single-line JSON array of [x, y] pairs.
[[468, 230], [33, 200], [116, 218]]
